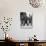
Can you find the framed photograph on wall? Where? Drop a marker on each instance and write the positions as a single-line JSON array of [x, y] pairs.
[[26, 20]]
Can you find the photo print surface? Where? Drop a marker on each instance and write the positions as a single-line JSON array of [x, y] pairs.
[[25, 20]]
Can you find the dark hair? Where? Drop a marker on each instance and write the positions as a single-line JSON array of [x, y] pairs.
[[34, 35]]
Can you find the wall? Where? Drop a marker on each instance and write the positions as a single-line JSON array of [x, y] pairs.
[[12, 8]]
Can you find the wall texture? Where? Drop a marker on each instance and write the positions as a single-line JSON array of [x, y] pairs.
[[12, 8]]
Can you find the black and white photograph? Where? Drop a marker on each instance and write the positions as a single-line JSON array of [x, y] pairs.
[[25, 20]]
